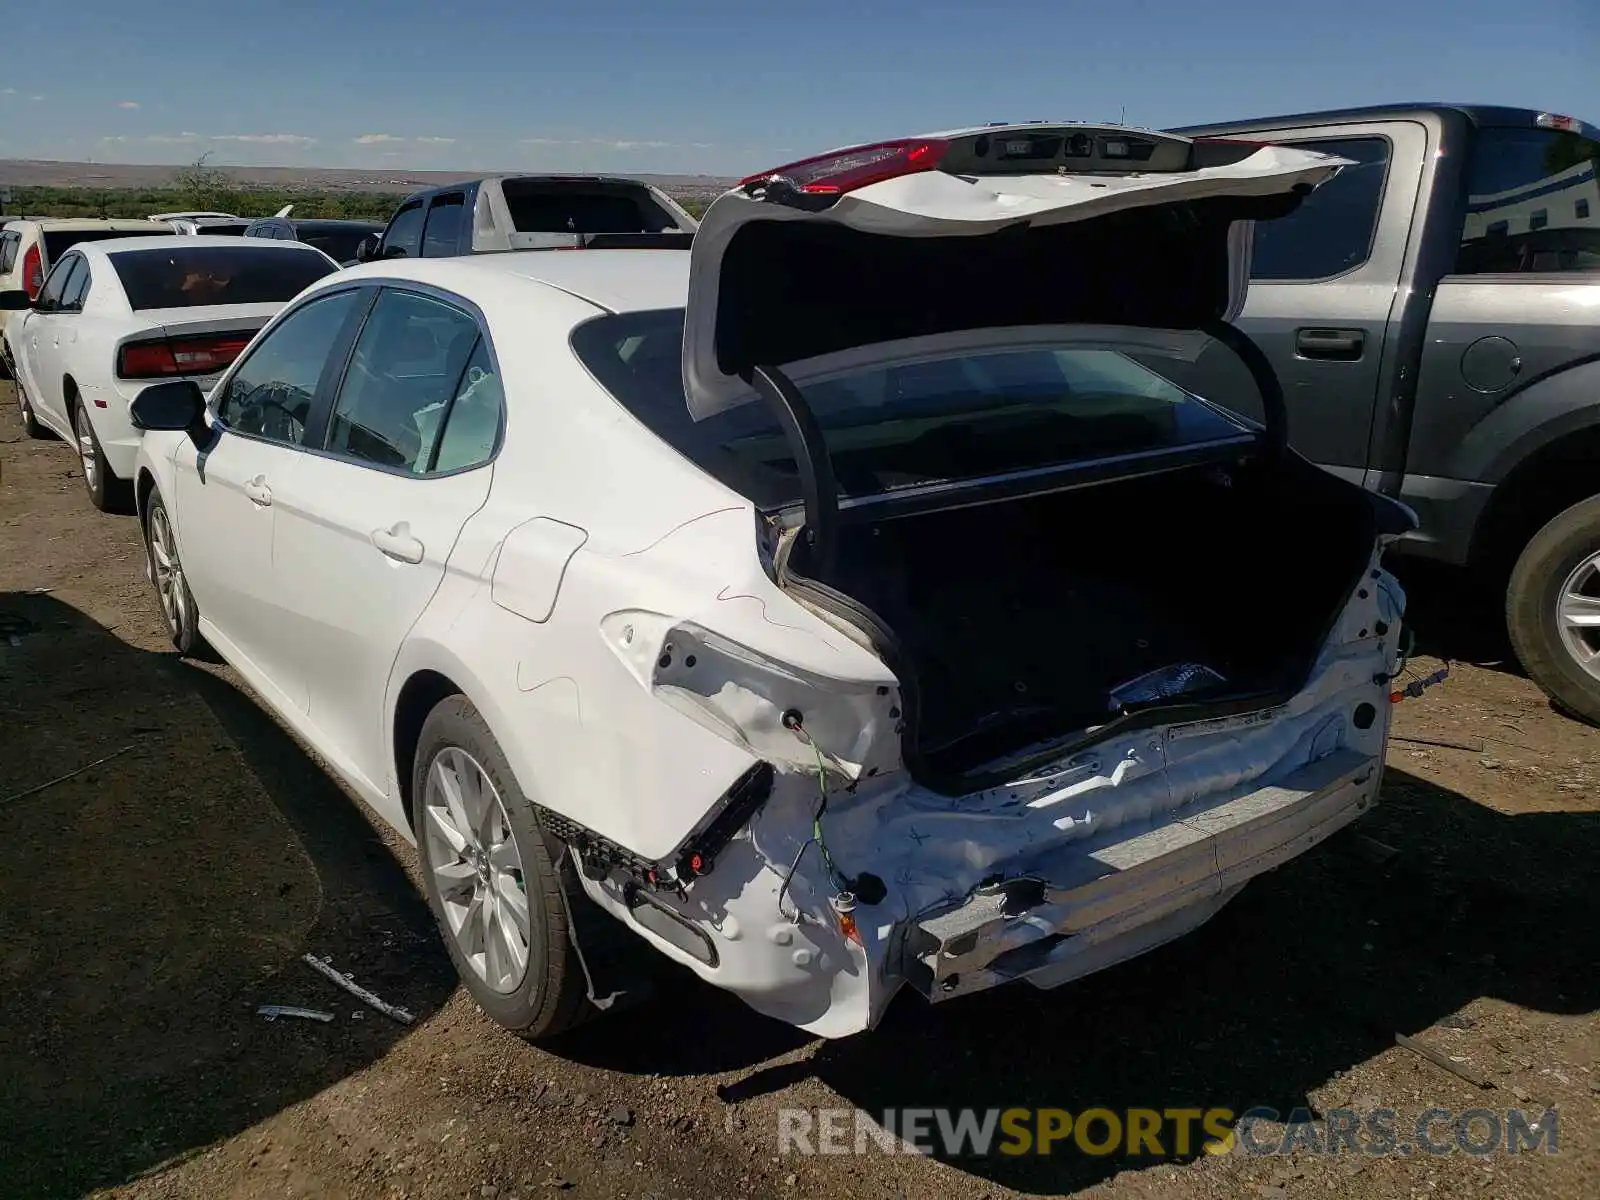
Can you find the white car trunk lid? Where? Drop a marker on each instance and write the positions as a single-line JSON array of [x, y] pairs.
[[1010, 227]]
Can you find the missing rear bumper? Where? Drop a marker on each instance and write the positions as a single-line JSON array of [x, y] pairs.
[[1095, 908]]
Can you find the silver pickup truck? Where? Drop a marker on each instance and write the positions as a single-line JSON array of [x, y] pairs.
[[532, 212]]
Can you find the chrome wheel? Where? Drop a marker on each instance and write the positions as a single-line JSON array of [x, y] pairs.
[[91, 464], [167, 571], [1578, 614], [477, 869]]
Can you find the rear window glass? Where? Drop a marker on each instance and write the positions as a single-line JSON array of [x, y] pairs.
[[568, 208], [179, 276], [59, 242], [908, 425]]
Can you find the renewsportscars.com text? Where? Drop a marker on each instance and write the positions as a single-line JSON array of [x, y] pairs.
[[1163, 1133]]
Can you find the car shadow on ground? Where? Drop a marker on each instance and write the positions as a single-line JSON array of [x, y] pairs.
[[150, 902], [1311, 971]]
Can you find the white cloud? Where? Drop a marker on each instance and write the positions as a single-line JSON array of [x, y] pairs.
[[273, 139], [35, 97], [620, 144], [8, 91], [391, 139], [127, 104]]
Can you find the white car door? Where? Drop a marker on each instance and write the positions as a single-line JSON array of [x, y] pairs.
[[43, 334], [227, 495], [366, 528]]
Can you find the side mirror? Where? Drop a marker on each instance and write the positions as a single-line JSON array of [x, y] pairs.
[[15, 300], [179, 407], [367, 248]]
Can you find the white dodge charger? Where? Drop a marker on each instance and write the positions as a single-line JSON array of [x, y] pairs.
[[837, 605], [113, 315]]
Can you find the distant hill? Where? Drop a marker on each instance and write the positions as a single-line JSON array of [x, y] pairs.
[[28, 172]]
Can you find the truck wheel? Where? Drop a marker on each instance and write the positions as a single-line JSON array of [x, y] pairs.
[[1553, 609]]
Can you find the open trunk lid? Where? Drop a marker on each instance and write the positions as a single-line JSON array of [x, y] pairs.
[[1000, 227]]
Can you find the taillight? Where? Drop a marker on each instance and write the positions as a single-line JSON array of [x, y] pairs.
[[160, 357], [846, 170], [33, 271]]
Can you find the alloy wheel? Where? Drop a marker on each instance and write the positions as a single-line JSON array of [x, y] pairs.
[[91, 462], [168, 570], [477, 869], [1578, 614]]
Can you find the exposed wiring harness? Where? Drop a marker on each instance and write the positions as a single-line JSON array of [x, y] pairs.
[[843, 901]]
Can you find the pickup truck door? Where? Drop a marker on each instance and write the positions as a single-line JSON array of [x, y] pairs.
[[1516, 309], [1324, 287]]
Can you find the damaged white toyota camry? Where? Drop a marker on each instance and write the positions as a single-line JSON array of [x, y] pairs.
[[838, 605]]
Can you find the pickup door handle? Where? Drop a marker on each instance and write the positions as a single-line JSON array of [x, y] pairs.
[[258, 491], [1340, 344], [397, 543]]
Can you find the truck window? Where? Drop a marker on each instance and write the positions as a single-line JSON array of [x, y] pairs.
[[442, 237], [1332, 231], [404, 236], [1531, 195]]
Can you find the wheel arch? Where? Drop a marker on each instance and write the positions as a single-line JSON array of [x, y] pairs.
[[144, 484], [1554, 477], [418, 696]]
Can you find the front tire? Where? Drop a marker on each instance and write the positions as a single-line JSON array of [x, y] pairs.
[[491, 878], [165, 571], [1553, 609]]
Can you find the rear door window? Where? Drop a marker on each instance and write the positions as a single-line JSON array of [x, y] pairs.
[[410, 363], [1532, 204], [56, 283], [76, 290], [404, 236], [179, 276], [1332, 231], [8, 252], [446, 218]]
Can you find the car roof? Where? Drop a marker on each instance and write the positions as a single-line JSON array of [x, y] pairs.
[[615, 280], [198, 242], [1477, 114], [69, 224]]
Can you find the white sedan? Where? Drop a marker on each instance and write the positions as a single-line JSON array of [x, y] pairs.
[[113, 315], [834, 605]]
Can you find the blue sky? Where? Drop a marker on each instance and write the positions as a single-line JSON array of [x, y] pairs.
[[720, 87]]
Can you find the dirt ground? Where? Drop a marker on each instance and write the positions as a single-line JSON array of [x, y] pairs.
[[150, 902]]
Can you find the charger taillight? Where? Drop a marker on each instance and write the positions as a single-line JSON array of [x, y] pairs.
[[33, 271], [847, 170], [157, 358]]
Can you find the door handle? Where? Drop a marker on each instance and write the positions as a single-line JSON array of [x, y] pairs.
[[258, 491], [397, 543], [1338, 344]]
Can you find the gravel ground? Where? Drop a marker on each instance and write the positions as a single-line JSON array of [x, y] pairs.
[[150, 902]]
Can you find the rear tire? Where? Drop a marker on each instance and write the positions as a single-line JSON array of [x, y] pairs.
[[476, 884], [108, 491], [1555, 575], [30, 423]]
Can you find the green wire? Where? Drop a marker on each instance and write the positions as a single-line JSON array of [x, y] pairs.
[[816, 821]]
